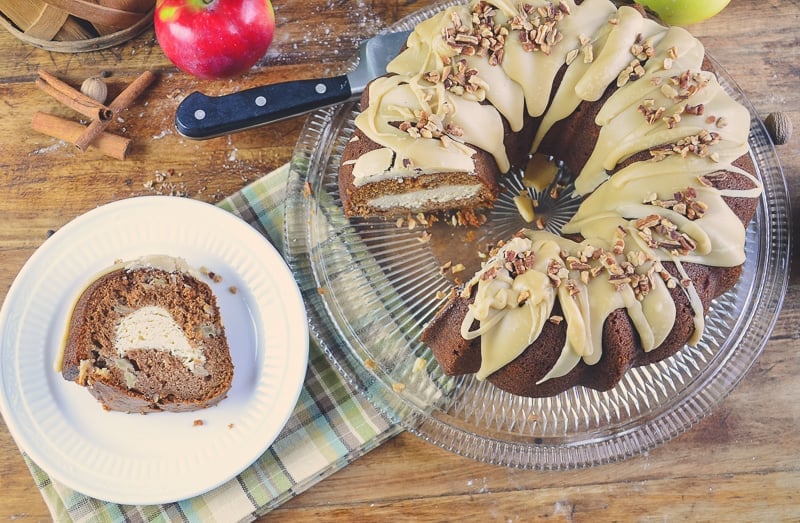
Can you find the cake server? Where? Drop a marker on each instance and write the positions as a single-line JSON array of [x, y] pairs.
[[200, 116]]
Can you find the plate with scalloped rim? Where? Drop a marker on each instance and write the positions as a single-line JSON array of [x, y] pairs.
[[159, 457]]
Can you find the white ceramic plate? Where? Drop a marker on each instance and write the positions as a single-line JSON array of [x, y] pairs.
[[161, 457]]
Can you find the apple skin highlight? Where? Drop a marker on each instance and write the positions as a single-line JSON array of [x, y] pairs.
[[685, 12]]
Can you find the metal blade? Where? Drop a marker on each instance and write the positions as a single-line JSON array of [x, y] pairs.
[[375, 55]]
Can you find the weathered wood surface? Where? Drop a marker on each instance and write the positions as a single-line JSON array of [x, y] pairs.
[[741, 463]]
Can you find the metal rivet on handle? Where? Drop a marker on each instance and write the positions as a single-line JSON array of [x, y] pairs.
[[261, 101], [199, 114], [320, 88]]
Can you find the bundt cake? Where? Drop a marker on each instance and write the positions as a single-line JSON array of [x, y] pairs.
[[147, 336], [659, 156]]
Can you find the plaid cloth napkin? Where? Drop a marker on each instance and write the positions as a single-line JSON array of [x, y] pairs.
[[331, 425]]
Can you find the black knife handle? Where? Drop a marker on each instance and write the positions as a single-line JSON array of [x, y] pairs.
[[199, 116]]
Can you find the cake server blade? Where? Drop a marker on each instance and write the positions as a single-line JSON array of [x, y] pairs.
[[200, 116]]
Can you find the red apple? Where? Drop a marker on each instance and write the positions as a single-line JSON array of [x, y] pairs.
[[214, 39]]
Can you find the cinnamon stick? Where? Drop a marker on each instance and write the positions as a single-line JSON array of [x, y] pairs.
[[71, 97], [69, 131], [123, 101]]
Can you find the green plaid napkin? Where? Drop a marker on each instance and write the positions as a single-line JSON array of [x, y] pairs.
[[331, 425]]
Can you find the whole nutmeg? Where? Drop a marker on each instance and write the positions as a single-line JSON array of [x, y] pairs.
[[95, 88], [779, 127]]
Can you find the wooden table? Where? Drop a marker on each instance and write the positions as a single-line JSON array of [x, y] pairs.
[[741, 463]]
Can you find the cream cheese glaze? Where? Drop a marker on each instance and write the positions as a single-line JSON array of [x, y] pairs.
[[159, 261], [661, 210]]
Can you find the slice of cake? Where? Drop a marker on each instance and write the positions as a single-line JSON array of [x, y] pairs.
[[147, 336]]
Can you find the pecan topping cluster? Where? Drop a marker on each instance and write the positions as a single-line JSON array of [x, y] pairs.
[[459, 79], [683, 202], [483, 37], [518, 262], [514, 262], [651, 113], [679, 89], [642, 50], [696, 144], [430, 126], [660, 232], [635, 269], [538, 26]]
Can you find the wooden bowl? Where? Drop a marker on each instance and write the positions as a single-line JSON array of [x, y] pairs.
[[72, 26]]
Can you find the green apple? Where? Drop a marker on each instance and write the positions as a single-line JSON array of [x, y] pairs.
[[685, 12]]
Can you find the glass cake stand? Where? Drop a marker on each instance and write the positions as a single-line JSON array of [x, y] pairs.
[[372, 285]]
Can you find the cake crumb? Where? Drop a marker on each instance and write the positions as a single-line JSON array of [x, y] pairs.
[[370, 364], [469, 237], [470, 217], [230, 425], [419, 365], [458, 267], [398, 387], [198, 423], [233, 289]]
